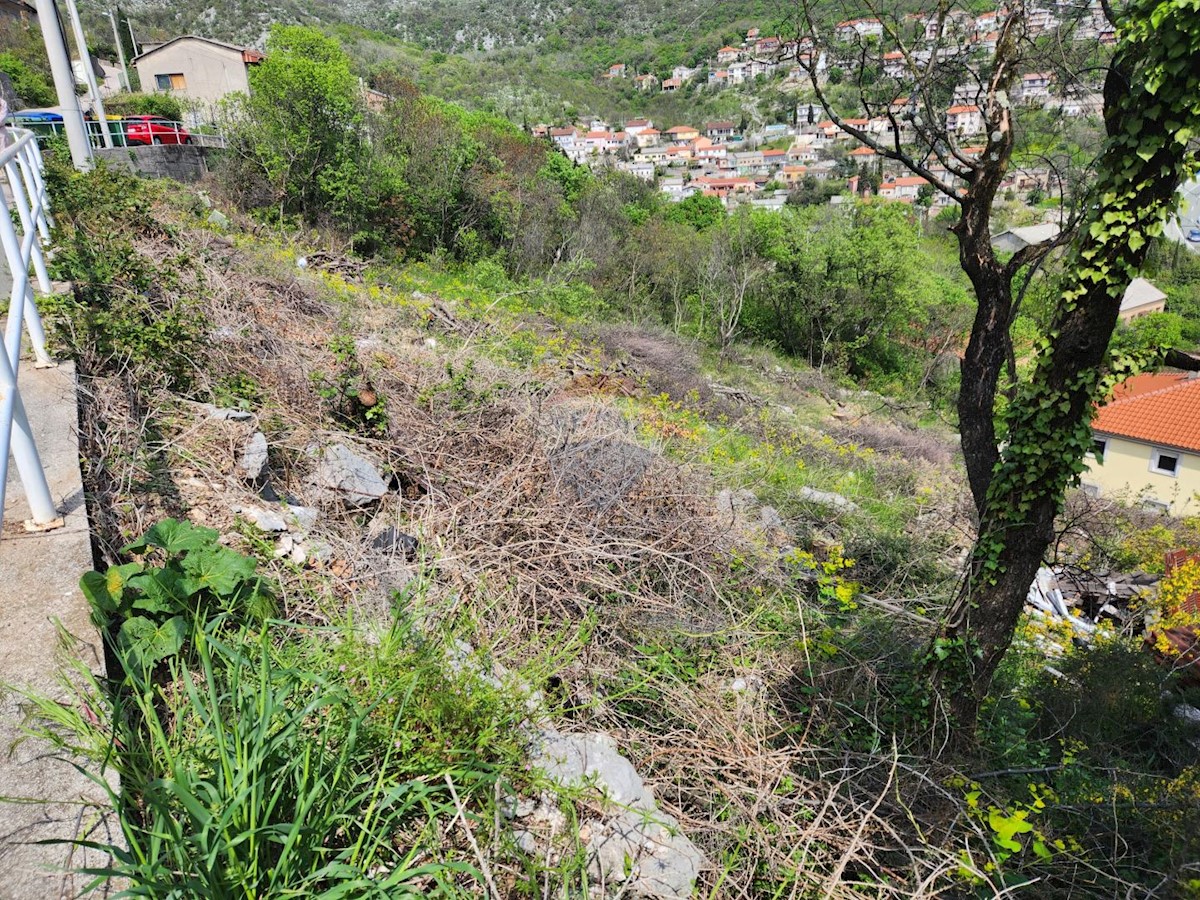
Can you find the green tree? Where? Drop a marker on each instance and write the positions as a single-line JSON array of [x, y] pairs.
[[842, 280], [1019, 467], [28, 83], [1146, 334], [699, 210], [569, 176], [301, 129], [24, 61], [1152, 112]]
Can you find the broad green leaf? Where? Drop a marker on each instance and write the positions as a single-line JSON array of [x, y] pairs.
[[219, 570], [161, 591], [143, 643], [106, 590], [1006, 827], [174, 536]]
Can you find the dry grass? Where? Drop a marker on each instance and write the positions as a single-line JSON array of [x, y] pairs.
[[539, 510]]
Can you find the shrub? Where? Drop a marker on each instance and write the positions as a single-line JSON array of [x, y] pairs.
[[29, 84], [150, 607], [145, 105], [127, 306]]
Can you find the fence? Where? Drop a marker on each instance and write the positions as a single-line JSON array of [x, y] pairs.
[[133, 132], [25, 193]]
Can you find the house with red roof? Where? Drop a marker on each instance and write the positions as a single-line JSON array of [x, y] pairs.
[[1147, 443], [724, 187], [964, 119], [894, 64], [682, 134], [906, 189], [646, 137]]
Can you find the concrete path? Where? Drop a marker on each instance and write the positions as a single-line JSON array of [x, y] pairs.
[[39, 576]]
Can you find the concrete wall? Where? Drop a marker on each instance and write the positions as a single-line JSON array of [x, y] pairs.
[[182, 162], [1126, 469], [211, 72]]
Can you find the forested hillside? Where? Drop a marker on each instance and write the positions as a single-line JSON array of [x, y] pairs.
[[455, 24]]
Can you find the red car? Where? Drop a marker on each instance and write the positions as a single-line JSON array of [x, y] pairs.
[[155, 130]]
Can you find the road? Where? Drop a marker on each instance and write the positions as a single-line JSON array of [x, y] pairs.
[[1189, 216]]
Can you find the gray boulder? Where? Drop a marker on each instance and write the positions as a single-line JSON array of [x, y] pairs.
[[262, 519], [356, 479], [827, 498], [634, 844], [252, 464]]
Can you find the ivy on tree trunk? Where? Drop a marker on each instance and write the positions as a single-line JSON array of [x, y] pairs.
[[1152, 112]]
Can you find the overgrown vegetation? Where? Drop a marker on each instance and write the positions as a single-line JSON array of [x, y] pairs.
[[622, 480]]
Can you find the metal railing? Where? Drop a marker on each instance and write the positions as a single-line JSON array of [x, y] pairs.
[[166, 132], [23, 240]]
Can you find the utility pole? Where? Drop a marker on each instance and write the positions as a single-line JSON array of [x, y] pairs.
[[64, 84], [120, 49], [89, 74]]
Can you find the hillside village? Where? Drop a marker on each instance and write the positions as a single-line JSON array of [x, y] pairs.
[[761, 164]]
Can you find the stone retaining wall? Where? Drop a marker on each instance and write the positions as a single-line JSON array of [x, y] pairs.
[[182, 162]]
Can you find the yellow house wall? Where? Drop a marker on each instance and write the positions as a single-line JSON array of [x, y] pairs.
[[1126, 469], [1137, 312]]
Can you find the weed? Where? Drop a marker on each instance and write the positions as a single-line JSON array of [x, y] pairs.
[[150, 608]]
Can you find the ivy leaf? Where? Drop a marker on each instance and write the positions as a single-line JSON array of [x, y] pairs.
[[175, 537], [143, 643], [218, 570]]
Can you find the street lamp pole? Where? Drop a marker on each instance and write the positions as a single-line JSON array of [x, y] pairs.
[[89, 74], [120, 49], [64, 85]]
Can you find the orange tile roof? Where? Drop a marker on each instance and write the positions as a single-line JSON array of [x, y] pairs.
[[1158, 408], [1147, 382]]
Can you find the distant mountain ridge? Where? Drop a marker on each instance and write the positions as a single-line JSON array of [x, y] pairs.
[[448, 25]]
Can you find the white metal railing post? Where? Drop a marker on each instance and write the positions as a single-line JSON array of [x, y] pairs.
[[35, 165], [22, 200], [21, 161], [33, 189], [21, 307], [17, 436]]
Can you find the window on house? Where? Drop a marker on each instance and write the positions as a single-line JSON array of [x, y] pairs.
[[1164, 463], [174, 82], [1156, 506], [1099, 445]]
